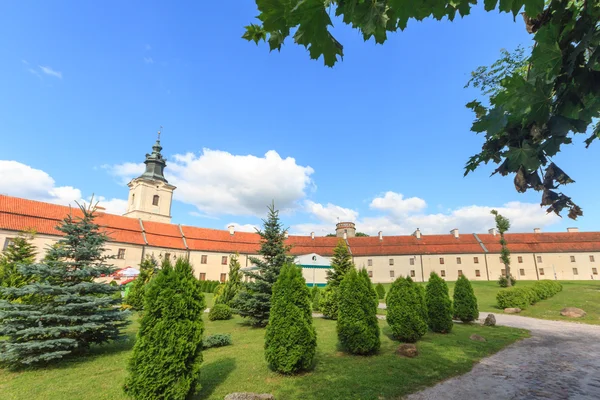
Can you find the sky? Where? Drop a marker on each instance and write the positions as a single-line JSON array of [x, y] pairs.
[[380, 139]]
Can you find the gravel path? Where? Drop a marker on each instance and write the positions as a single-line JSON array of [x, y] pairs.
[[561, 360]]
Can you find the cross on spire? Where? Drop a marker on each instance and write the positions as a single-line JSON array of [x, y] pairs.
[[159, 132]]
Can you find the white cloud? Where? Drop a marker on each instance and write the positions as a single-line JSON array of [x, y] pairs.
[[21, 180], [396, 204], [242, 227], [49, 71], [148, 60], [330, 213], [221, 183]]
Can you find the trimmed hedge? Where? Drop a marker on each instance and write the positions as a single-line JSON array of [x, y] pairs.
[[209, 286], [524, 297], [219, 312], [503, 281], [216, 340]]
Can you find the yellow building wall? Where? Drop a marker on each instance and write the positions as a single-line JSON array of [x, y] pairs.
[[382, 271], [471, 265]]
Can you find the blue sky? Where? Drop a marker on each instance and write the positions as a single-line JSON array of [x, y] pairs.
[[381, 138]]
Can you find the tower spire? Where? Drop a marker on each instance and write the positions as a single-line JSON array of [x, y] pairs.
[[155, 163]]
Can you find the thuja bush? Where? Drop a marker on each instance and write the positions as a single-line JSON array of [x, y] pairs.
[[465, 302], [404, 311], [316, 298], [290, 337], [357, 325], [219, 312], [329, 303], [503, 281], [380, 291], [439, 305], [523, 297]]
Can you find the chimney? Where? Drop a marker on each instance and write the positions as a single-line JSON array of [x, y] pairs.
[[345, 235], [492, 231], [537, 230], [231, 229], [380, 235], [285, 234], [572, 230], [454, 232], [417, 233], [312, 235]]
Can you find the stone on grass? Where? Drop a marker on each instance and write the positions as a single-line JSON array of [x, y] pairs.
[[407, 350], [490, 320], [572, 312], [477, 338], [511, 310], [249, 396]]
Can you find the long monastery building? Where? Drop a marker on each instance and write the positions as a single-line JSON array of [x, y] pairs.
[[145, 229]]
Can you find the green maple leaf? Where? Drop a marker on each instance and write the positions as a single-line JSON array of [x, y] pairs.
[[506, 5], [525, 156], [534, 7], [489, 4], [546, 57], [492, 123]]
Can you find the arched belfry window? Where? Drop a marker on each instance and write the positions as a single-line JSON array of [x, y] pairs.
[[155, 200]]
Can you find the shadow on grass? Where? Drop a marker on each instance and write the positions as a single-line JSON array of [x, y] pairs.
[[212, 375]]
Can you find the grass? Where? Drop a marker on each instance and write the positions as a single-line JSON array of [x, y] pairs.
[[580, 294], [241, 367]]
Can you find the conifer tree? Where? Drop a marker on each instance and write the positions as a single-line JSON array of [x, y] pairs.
[[290, 338], [137, 293], [254, 299], [316, 298], [357, 324], [233, 284], [404, 311], [439, 305], [341, 263], [330, 301], [465, 302], [62, 310], [168, 351], [20, 252], [380, 291]]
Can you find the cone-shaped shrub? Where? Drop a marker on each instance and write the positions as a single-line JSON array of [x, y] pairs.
[[219, 312], [167, 353], [380, 291], [439, 306], [329, 302], [465, 302], [316, 299], [290, 338], [357, 325], [423, 302], [405, 311]]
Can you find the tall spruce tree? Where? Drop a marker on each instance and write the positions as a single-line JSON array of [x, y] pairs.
[[290, 339], [357, 324], [148, 269], [254, 300], [168, 351], [20, 252], [341, 263], [62, 310], [233, 284]]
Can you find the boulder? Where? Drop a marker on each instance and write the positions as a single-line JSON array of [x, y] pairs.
[[407, 350], [490, 320], [477, 338], [512, 310], [572, 312], [249, 396]]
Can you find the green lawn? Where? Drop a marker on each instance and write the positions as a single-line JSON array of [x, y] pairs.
[[581, 294], [241, 367]]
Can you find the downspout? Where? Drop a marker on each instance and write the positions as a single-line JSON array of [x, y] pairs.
[[537, 274], [145, 239], [184, 242], [485, 253], [422, 273]]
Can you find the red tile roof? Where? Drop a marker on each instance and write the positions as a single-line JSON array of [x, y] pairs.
[[18, 214]]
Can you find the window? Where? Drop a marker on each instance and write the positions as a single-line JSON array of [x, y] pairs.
[[575, 272], [7, 243], [477, 272], [370, 262], [441, 260], [501, 262], [155, 200], [412, 273], [203, 259], [391, 261], [168, 256], [224, 260], [460, 273], [121, 254], [392, 274], [539, 259], [132, 198], [412, 261], [541, 271], [370, 274], [476, 260], [520, 260], [503, 272], [522, 272], [443, 272], [458, 260], [223, 278], [202, 276], [592, 259], [572, 258], [595, 271]]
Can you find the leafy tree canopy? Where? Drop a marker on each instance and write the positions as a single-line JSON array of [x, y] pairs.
[[528, 118]]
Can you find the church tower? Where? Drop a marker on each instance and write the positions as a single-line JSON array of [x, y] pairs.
[[150, 195]]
